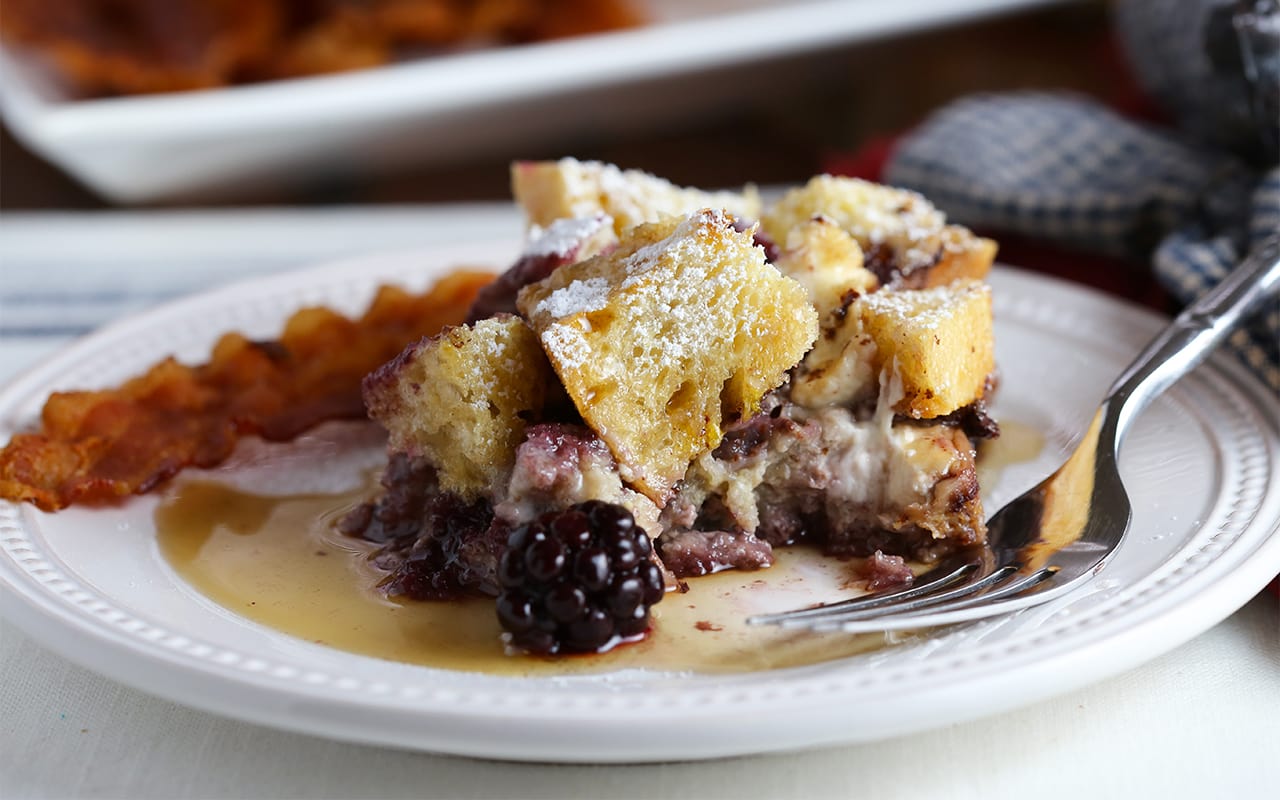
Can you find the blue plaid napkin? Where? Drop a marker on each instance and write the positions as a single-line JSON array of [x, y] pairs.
[[1064, 168]]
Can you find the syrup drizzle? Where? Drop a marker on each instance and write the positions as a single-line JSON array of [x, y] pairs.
[[279, 561]]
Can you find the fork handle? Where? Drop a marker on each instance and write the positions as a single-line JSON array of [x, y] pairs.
[[1193, 334]]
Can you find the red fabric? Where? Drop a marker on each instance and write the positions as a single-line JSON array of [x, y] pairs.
[[867, 162], [1112, 275], [1123, 94]]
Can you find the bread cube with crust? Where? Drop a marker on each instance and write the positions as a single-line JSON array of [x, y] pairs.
[[827, 261], [937, 343], [462, 399], [551, 190], [664, 341], [905, 239], [964, 256]]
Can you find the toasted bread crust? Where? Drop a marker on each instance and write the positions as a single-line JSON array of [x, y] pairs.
[[551, 190], [905, 239], [936, 343]]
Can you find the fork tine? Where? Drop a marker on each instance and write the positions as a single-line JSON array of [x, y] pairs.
[[949, 614], [1007, 590], [878, 600], [832, 620], [959, 599]]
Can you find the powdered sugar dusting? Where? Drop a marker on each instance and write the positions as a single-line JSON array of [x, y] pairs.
[[655, 280], [579, 297], [877, 216], [567, 345], [633, 197], [690, 249], [925, 308], [902, 219], [564, 237]]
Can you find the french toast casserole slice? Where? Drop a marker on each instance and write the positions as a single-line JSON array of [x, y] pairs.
[[737, 376]]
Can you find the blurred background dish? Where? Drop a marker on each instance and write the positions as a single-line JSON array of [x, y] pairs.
[[124, 47], [665, 61]]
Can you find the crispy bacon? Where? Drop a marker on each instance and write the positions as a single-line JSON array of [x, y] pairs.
[[99, 445], [139, 46]]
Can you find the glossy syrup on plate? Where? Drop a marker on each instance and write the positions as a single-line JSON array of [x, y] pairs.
[[277, 559], [1017, 443]]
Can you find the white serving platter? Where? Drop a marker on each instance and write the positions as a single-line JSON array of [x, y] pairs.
[[694, 58]]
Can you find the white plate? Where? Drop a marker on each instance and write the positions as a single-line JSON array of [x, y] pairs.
[[501, 102], [1201, 466]]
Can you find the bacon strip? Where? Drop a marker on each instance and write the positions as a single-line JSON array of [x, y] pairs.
[[139, 46], [100, 445]]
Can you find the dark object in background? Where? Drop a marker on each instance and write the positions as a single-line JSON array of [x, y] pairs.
[[1242, 41], [1215, 64]]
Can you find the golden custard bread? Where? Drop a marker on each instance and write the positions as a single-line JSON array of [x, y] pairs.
[[569, 188], [828, 262], [935, 344], [463, 399], [905, 240], [669, 338]]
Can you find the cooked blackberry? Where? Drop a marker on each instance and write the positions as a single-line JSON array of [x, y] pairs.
[[435, 544], [578, 581], [446, 561], [396, 517]]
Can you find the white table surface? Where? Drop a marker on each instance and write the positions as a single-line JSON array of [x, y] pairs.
[[1200, 721]]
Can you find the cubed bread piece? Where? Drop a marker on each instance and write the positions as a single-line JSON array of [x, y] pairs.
[[668, 338], [952, 510], [551, 190], [921, 498], [905, 239], [936, 342], [827, 261], [462, 399], [964, 256]]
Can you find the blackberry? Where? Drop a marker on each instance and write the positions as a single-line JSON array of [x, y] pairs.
[[578, 581]]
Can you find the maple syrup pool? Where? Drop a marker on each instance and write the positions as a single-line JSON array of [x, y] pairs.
[[258, 537]]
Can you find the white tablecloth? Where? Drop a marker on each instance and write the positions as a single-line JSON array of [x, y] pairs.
[[1200, 721]]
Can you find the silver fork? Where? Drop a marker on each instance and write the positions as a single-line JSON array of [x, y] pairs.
[[1060, 533]]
